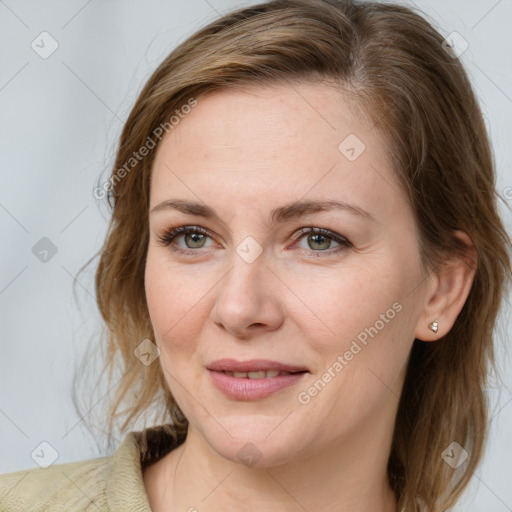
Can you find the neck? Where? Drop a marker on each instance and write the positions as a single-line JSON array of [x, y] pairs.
[[350, 475]]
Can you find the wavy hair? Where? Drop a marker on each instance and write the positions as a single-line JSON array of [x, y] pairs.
[[392, 64]]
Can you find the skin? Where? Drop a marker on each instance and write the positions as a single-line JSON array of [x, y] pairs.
[[301, 302]]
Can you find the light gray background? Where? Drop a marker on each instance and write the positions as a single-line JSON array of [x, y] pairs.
[[59, 124]]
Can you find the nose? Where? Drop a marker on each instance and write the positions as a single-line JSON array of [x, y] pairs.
[[248, 299]]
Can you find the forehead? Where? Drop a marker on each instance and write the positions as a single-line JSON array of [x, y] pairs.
[[275, 121], [260, 143]]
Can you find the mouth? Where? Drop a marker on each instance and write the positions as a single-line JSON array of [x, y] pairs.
[[260, 374], [254, 366], [255, 379]]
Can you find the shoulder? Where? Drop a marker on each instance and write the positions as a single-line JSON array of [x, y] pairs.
[[76, 485], [113, 482]]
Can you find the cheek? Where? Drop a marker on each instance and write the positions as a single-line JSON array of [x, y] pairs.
[[362, 335], [338, 305], [177, 316], [373, 313], [174, 304]]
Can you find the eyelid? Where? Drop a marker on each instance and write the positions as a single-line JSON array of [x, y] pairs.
[[320, 231], [172, 233], [342, 241]]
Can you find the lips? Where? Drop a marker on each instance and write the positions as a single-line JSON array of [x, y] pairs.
[[255, 379]]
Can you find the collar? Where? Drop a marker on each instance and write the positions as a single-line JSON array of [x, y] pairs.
[[124, 484]]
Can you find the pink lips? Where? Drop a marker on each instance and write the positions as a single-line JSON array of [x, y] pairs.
[[245, 388]]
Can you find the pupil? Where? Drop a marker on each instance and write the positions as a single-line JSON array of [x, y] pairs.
[[321, 237], [196, 238]]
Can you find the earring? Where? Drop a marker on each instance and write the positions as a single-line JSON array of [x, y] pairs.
[[433, 326]]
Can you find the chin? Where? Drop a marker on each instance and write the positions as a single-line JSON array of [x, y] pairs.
[[259, 454], [254, 440]]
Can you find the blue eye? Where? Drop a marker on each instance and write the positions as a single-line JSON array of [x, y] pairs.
[[319, 240]]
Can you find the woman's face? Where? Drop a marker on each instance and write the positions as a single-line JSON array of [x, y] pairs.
[[259, 288]]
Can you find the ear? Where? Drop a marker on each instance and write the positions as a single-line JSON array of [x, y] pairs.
[[447, 292]]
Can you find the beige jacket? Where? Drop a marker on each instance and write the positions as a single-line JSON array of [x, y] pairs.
[[111, 483]]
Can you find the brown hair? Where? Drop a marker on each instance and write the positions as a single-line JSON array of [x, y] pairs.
[[391, 63]]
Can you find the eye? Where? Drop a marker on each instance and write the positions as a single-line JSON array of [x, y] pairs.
[[319, 240], [194, 237]]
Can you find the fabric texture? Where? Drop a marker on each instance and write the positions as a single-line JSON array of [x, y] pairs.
[[110, 483]]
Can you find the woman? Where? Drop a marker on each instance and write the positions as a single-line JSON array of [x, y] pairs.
[[302, 273]]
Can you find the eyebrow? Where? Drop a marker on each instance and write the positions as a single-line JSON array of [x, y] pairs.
[[289, 211]]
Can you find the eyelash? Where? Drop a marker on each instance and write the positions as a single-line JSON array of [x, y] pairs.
[[169, 236]]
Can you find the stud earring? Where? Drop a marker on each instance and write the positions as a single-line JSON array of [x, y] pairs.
[[433, 326]]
